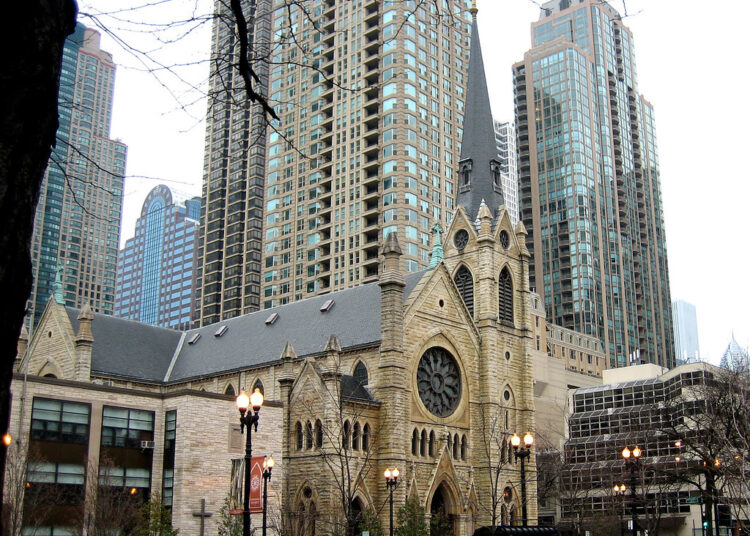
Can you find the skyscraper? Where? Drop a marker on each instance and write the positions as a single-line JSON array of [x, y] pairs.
[[77, 222], [156, 268], [505, 137], [589, 177], [685, 331], [370, 95]]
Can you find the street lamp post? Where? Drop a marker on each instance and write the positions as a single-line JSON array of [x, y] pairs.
[[619, 491], [391, 481], [248, 419], [631, 458], [267, 468], [522, 453]]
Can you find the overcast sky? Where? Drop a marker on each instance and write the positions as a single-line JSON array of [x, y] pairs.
[[690, 63]]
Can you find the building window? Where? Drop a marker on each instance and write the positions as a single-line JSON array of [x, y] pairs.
[[356, 435], [308, 435], [123, 427], [258, 385], [366, 438], [170, 428], [360, 373], [505, 297], [57, 420], [432, 444], [465, 284], [298, 435], [415, 443]]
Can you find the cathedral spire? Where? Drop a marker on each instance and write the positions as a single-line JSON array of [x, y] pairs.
[[478, 167]]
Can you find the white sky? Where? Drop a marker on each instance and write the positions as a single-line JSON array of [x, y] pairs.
[[690, 59]]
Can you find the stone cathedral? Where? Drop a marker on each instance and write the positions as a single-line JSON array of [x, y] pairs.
[[429, 372]]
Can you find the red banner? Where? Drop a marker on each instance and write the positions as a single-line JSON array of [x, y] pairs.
[[256, 484]]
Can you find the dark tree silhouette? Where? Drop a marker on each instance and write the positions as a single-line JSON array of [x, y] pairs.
[[33, 40]]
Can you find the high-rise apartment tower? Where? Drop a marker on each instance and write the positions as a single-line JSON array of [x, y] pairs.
[[589, 178], [156, 268], [685, 331], [77, 222], [370, 96], [505, 136]]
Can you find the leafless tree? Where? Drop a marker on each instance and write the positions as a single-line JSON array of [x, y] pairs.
[[29, 498]]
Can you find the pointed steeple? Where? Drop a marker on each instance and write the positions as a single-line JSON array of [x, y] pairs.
[[478, 167]]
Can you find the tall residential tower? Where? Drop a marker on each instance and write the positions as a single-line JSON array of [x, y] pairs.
[[370, 96], [590, 185], [77, 222], [505, 137]]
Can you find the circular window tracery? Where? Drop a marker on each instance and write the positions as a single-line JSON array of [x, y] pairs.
[[504, 239], [439, 382], [461, 238]]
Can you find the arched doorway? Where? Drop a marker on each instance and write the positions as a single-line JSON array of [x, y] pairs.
[[442, 521]]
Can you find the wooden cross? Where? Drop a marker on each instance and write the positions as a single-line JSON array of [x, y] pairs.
[[203, 515]]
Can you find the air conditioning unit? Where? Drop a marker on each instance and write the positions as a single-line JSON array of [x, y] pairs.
[[147, 444]]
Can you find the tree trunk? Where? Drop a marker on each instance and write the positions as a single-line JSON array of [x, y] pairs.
[[32, 38]]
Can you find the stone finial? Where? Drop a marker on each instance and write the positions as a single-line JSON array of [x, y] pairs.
[[474, 9], [85, 317], [437, 249], [521, 234], [333, 344], [484, 217], [288, 352], [391, 251], [23, 342], [521, 228]]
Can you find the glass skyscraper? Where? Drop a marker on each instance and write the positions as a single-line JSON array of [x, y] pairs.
[[589, 178], [156, 268], [77, 221], [685, 331]]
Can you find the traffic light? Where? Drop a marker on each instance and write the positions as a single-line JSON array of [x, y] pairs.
[[705, 524]]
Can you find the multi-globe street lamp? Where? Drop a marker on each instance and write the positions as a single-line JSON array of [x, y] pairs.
[[267, 468], [522, 453], [248, 419], [391, 481], [631, 457], [619, 491]]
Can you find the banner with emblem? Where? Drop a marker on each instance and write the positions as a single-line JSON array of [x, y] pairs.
[[256, 484]]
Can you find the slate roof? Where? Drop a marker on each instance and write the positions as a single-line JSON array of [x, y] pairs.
[[130, 349], [478, 141], [353, 390]]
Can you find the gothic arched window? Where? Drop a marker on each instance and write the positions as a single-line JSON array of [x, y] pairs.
[[229, 390], [318, 434], [346, 439], [366, 437], [423, 444], [308, 435], [505, 297], [258, 385], [432, 444], [464, 447], [415, 442], [456, 445], [298, 435], [360, 373], [356, 435], [465, 284]]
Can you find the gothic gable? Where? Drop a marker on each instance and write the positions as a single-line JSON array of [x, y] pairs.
[[52, 347]]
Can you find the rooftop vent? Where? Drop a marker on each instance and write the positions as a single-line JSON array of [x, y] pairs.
[[326, 306], [272, 318], [221, 331], [194, 338]]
